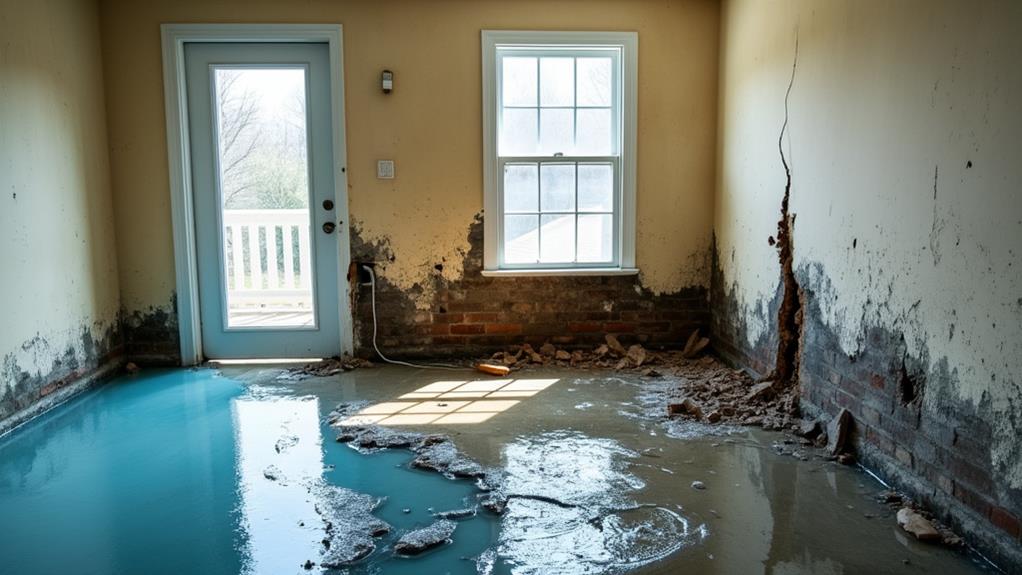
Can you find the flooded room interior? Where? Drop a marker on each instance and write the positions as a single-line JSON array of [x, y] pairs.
[[510, 287]]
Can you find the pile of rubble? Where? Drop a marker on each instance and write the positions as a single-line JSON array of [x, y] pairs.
[[324, 368], [612, 354], [919, 522], [708, 390]]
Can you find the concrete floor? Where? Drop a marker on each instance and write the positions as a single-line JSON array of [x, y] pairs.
[[595, 437]]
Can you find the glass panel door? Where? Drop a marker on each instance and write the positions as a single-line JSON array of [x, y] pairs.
[[263, 190]]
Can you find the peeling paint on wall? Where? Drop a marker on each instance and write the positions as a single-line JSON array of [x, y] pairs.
[[901, 141], [47, 364], [473, 314]]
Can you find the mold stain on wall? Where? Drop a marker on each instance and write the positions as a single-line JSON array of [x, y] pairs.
[[906, 276], [469, 313], [45, 369]]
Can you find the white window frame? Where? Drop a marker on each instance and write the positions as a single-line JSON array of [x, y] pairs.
[[625, 128]]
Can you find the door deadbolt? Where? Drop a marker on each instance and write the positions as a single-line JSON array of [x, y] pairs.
[[328, 204], [329, 227]]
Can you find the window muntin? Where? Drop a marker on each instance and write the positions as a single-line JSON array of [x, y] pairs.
[[559, 156]]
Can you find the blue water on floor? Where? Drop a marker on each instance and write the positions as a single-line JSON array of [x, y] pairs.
[[163, 472]]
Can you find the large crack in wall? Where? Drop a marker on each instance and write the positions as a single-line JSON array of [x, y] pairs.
[[789, 314]]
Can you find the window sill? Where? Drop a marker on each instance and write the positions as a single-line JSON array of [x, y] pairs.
[[560, 272]]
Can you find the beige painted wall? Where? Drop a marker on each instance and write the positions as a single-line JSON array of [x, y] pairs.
[[889, 103], [56, 220], [431, 125]]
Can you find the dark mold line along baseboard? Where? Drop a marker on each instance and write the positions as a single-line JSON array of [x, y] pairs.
[[31, 390]]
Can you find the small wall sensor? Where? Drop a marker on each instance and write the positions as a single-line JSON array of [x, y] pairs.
[[387, 81], [385, 169]]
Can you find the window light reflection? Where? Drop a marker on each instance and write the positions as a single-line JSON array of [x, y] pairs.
[[451, 402]]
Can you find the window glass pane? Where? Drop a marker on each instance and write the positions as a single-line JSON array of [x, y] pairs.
[[557, 187], [556, 79], [557, 131], [558, 239], [518, 135], [595, 237], [521, 188], [595, 188], [519, 81], [521, 239], [594, 81], [594, 132]]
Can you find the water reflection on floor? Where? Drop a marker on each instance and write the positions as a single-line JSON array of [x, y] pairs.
[[187, 471]]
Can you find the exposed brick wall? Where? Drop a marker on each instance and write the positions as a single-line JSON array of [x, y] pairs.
[[27, 390], [479, 314], [937, 448], [909, 426]]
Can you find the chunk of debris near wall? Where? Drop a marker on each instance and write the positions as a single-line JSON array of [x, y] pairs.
[[420, 540]]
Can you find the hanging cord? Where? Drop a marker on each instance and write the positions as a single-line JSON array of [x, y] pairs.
[[372, 283]]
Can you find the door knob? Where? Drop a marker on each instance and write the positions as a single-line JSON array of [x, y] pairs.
[[329, 227]]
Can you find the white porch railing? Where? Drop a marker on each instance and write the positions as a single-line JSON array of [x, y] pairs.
[[256, 276]]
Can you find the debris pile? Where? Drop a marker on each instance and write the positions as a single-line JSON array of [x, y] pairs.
[[415, 542], [324, 368], [351, 528], [611, 354], [918, 522], [711, 392]]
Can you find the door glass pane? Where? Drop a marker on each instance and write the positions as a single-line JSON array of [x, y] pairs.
[[558, 239], [521, 239], [521, 188], [264, 187]]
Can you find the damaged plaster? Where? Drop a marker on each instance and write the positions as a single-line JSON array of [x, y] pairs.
[[44, 368], [908, 220], [472, 313]]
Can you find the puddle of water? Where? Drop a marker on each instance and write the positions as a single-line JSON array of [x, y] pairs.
[[186, 472]]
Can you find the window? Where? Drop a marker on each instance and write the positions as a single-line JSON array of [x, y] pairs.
[[559, 144]]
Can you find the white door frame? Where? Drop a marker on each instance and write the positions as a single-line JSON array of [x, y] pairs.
[[174, 37]]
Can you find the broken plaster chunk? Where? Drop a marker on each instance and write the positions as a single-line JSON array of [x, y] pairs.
[[562, 355], [548, 349], [687, 407], [695, 345], [637, 355], [911, 521], [415, 542], [615, 346], [456, 513], [698, 485], [837, 431], [760, 391], [809, 428]]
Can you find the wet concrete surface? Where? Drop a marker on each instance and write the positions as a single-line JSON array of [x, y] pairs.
[[599, 482], [238, 471]]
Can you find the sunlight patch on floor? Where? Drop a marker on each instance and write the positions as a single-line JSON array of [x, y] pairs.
[[451, 402]]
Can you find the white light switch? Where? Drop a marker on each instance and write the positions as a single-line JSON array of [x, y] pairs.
[[385, 169]]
